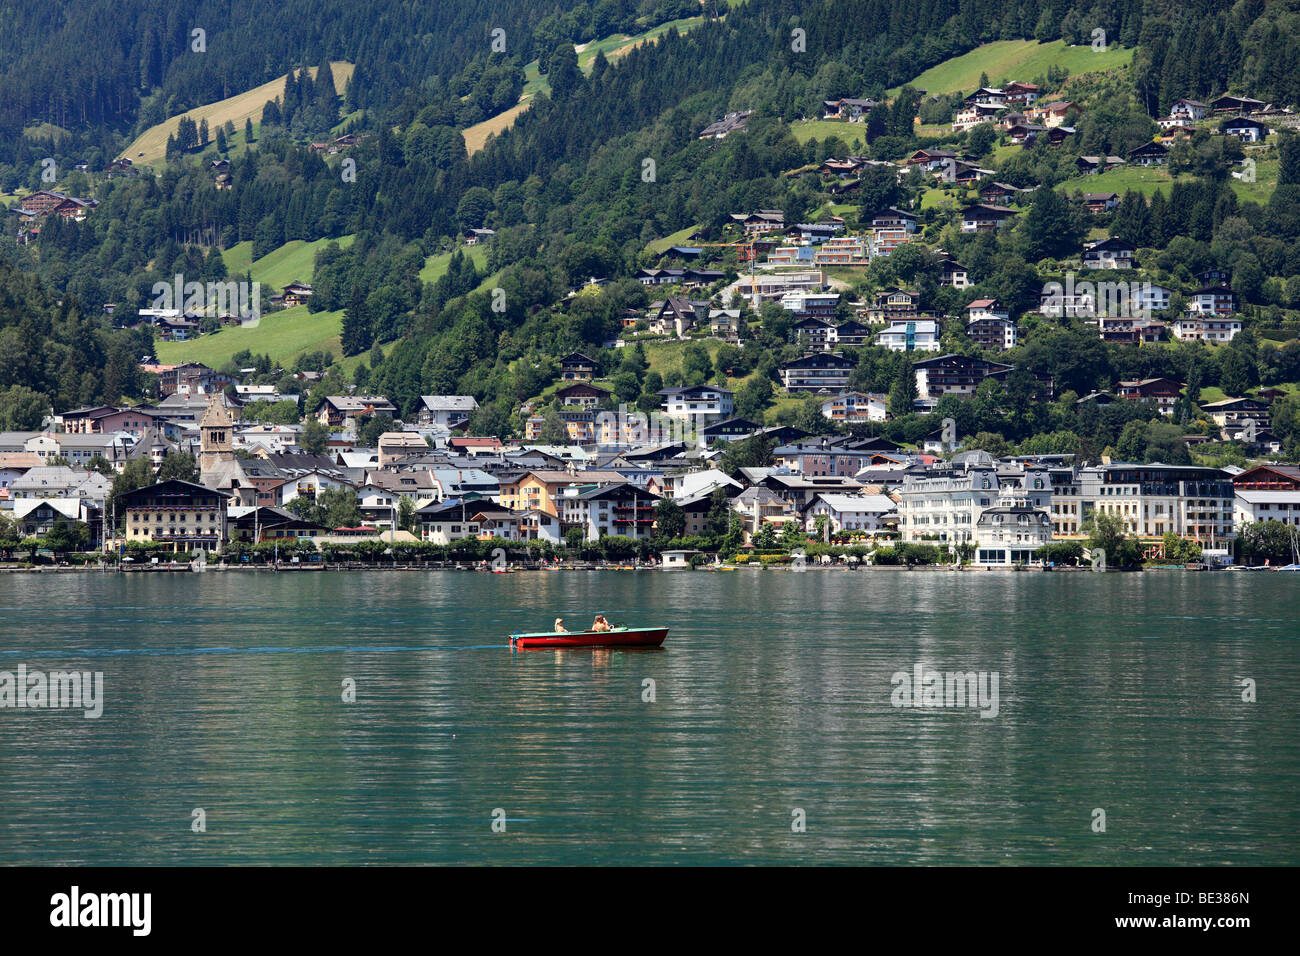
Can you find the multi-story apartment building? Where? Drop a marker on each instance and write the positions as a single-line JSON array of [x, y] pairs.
[[911, 335], [1192, 501]]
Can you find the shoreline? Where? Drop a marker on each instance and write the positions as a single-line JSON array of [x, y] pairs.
[[321, 567]]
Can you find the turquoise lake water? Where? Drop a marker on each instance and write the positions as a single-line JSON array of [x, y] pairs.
[[772, 704]]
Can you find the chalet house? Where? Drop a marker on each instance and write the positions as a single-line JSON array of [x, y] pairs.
[[1056, 135], [611, 509], [1149, 154], [816, 372], [1236, 104], [176, 329], [1109, 253], [852, 407], [853, 332], [1130, 330], [1097, 164], [1098, 203], [814, 333], [1188, 111], [910, 335], [474, 237], [337, 409], [448, 411], [761, 222], [1021, 94], [582, 395], [731, 123], [1051, 115], [1229, 412], [853, 110], [932, 159], [1163, 391], [45, 202], [953, 374], [985, 218], [1020, 132], [952, 272], [962, 171], [725, 324], [189, 517], [890, 228], [1245, 129], [814, 231], [699, 404], [577, 367], [295, 293], [678, 316], [121, 167], [989, 325], [999, 192], [989, 95], [816, 304], [891, 304], [1198, 328], [1214, 277], [1212, 300], [970, 115]]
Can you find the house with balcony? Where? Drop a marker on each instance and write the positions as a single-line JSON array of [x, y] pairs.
[[1110, 253], [815, 372], [698, 404], [953, 374], [990, 326], [911, 335]]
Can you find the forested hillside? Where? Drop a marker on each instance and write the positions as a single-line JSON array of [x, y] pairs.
[[566, 192]]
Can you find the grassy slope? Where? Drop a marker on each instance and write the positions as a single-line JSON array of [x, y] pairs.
[[1150, 179], [150, 146], [435, 267], [281, 335], [534, 83], [1015, 60], [293, 261]]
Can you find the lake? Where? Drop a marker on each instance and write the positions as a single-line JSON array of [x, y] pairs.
[[769, 734]]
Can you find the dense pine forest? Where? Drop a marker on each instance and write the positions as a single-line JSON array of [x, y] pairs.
[[565, 192]]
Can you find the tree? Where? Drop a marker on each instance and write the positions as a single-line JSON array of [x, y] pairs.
[[406, 513], [180, 466], [137, 473], [765, 538], [314, 437], [902, 394], [357, 334], [670, 521], [1106, 534], [1266, 542], [339, 508], [22, 409], [65, 536]]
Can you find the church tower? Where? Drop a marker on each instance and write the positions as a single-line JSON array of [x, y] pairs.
[[216, 435]]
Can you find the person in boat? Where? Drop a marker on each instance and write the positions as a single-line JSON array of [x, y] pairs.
[[600, 624], [559, 626]]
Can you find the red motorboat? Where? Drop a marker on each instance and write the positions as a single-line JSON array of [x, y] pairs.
[[618, 637]]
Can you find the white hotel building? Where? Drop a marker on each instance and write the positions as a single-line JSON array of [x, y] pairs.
[[1003, 513]]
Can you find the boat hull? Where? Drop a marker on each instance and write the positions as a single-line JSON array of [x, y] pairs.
[[631, 637]]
